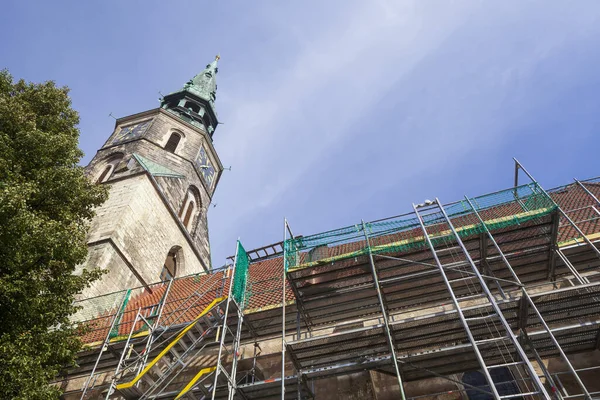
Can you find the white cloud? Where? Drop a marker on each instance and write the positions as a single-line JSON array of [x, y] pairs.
[[275, 136], [459, 72]]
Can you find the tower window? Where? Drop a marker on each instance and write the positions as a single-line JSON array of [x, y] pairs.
[[189, 208], [188, 214], [173, 142], [174, 258], [192, 106], [110, 167], [165, 274], [105, 174]]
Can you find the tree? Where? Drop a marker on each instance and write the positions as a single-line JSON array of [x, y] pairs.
[[46, 203]]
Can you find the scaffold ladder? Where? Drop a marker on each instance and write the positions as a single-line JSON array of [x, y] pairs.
[[89, 383], [384, 313], [526, 304], [129, 352], [231, 305], [432, 214], [159, 378]]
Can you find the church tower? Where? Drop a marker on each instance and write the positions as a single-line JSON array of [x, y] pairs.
[[162, 170]]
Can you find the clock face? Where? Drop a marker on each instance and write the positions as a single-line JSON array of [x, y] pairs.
[[205, 166], [131, 131]]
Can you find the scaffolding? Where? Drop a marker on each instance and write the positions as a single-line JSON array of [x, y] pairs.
[[493, 285], [497, 259], [151, 342]]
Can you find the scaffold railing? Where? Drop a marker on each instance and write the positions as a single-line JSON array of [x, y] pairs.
[[500, 210], [95, 313]]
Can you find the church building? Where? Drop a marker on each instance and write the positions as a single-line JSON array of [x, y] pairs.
[[488, 297]]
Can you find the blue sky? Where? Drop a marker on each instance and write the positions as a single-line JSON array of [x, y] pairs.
[[336, 111]]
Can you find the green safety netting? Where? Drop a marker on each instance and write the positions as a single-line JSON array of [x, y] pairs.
[[240, 274], [115, 330], [95, 315], [100, 306], [128, 311], [403, 233]]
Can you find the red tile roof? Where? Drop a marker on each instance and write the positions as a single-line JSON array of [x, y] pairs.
[[189, 295]]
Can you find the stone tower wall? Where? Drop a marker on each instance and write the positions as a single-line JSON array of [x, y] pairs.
[[132, 235], [141, 221]]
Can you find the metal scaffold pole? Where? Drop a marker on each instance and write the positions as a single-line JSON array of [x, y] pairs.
[[557, 345], [283, 310], [459, 311], [151, 338], [580, 279], [240, 315], [236, 349], [224, 328], [581, 185], [105, 343], [384, 313], [491, 300], [121, 359]]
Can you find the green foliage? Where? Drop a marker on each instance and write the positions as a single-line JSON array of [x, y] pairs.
[[46, 203]]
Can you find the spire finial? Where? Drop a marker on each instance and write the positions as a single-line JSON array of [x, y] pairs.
[[218, 57]]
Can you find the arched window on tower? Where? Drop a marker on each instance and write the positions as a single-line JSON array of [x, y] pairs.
[[173, 142], [189, 213], [105, 174], [108, 170], [172, 263], [190, 207]]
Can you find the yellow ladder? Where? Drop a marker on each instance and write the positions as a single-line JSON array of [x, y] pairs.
[[179, 348]]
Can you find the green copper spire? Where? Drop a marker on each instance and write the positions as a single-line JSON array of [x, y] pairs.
[[204, 84], [195, 102]]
